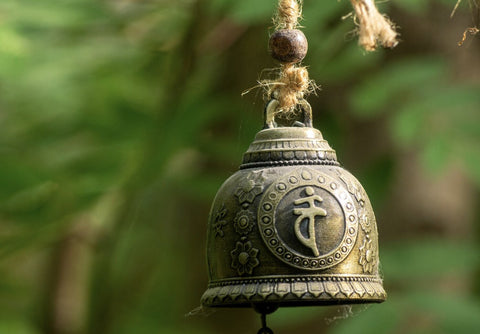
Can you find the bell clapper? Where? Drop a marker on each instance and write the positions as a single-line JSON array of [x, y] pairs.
[[265, 309], [264, 329]]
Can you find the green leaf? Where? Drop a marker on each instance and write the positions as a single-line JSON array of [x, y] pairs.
[[416, 311], [375, 319], [17, 325], [318, 14], [414, 6], [398, 82], [350, 62], [407, 124], [436, 154], [376, 179], [285, 317], [450, 312], [425, 259], [252, 11], [470, 152]]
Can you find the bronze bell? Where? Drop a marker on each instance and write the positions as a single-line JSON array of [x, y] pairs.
[[291, 227]]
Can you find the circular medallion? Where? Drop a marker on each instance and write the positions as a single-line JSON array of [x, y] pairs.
[[306, 220]]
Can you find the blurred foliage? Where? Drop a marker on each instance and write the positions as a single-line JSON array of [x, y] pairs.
[[440, 118], [120, 119]]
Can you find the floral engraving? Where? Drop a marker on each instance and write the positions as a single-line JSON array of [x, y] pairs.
[[244, 258], [367, 250], [220, 222], [367, 255], [243, 222], [365, 224], [250, 187], [352, 188]]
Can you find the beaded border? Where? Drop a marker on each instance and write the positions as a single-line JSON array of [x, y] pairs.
[[288, 163]]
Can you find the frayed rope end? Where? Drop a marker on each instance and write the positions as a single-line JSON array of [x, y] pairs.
[[373, 27]]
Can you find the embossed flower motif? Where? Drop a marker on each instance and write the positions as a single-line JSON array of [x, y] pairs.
[[250, 187], [365, 224], [243, 222], [367, 256], [244, 258], [354, 189], [219, 221]]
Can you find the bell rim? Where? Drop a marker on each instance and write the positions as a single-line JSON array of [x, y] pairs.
[[295, 291]]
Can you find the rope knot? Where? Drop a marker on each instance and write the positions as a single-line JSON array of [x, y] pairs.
[[290, 87]]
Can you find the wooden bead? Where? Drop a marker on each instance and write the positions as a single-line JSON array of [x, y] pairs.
[[288, 45]]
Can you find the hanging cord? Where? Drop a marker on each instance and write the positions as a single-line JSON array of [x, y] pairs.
[[286, 93], [289, 46], [373, 27], [288, 14], [264, 329]]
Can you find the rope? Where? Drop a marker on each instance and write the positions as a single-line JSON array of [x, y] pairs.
[[293, 82], [373, 27], [292, 85], [288, 14]]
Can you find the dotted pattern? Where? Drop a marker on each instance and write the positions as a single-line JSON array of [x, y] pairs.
[[266, 219], [289, 163], [293, 279]]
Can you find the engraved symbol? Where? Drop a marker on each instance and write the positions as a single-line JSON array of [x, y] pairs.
[[219, 221], [309, 213], [308, 247]]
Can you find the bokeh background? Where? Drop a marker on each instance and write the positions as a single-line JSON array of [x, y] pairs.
[[119, 120]]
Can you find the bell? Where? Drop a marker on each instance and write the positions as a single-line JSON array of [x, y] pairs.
[[292, 227]]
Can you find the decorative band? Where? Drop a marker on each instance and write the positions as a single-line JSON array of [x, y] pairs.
[[344, 291], [293, 279], [289, 154], [288, 163], [285, 144]]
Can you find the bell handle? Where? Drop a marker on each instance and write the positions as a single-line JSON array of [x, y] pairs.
[[269, 114], [271, 107], [307, 113]]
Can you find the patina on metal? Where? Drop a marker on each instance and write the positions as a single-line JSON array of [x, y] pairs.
[[292, 227]]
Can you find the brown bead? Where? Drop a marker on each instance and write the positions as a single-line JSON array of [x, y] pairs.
[[288, 45]]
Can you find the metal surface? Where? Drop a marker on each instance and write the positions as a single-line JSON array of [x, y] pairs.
[[291, 227]]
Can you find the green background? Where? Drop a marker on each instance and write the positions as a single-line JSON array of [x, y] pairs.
[[120, 119]]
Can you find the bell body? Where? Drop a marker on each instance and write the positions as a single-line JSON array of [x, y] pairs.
[[292, 227]]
